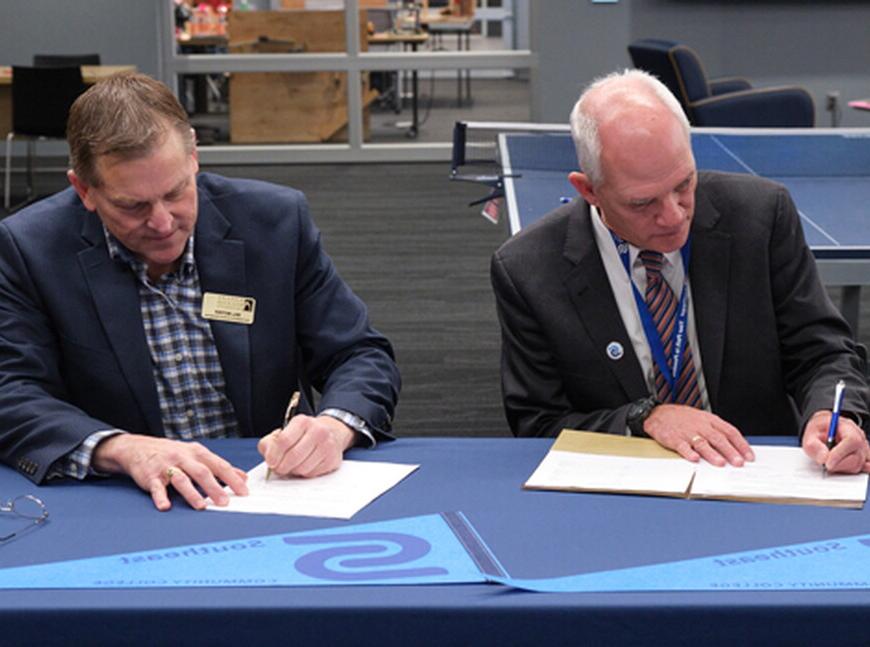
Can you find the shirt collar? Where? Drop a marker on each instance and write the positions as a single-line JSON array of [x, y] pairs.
[[118, 252], [605, 241]]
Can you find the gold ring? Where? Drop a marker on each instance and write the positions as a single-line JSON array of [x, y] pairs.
[[170, 472], [696, 438]]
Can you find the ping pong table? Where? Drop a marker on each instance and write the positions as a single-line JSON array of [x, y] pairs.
[[826, 170]]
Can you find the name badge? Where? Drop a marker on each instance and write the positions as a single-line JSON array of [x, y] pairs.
[[228, 307]]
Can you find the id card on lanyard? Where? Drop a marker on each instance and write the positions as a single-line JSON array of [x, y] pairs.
[[669, 370]]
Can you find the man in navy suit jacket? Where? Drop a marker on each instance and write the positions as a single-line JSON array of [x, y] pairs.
[[765, 345], [148, 305]]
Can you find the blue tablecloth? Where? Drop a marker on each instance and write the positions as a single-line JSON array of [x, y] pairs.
[[534, 534]]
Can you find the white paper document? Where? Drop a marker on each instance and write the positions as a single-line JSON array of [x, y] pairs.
[[596, 472], [338, 495], [777, 473]]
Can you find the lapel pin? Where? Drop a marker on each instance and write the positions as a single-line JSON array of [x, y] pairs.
[[615, 350]]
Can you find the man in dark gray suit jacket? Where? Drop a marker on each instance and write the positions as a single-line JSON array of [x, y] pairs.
[[149, 305], [590, 339]]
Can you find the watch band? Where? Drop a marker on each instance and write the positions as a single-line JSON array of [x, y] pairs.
[[638, 412]]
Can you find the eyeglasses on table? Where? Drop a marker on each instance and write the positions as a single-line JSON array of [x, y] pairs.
[[26, 508]]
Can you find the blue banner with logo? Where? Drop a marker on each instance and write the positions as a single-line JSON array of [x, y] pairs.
[[431, 549], [437, 549], [821, 565]]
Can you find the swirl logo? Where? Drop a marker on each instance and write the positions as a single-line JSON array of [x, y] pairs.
[[364, 556]]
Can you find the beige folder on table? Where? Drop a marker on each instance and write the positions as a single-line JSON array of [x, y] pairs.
[[586, 461]]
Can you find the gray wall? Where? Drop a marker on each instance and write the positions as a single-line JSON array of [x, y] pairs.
[[121, 31], [576, 40], [822, 45]]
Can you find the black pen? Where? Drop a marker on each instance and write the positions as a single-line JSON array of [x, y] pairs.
[[288, 414], [835, 418]]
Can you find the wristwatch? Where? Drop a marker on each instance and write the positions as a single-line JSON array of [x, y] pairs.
[[638, 412]]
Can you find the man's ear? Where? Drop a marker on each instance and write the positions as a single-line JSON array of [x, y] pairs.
[[195, 153], [581, 182], [82, 189]]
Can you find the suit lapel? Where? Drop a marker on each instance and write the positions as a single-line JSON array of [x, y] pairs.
[[708, 274], [589, 289], [220, 262], [116, 298]]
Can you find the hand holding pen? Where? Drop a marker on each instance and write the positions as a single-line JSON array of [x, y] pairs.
[[835, 419], [288, 414], [834, 438]]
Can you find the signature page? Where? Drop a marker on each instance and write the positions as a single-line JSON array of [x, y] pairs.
[[338, 495], [781, 474]]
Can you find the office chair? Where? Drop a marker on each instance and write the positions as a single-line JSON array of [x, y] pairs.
[[41, 99], [65, 60], [724, 102]]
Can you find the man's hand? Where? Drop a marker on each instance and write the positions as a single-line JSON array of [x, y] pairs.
[[157, 463], [696, 434], [851, 453], [306, 446]]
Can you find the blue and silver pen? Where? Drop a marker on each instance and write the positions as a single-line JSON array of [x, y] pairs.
[[835, 417]]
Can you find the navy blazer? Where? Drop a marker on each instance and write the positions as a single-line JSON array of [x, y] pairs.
[[73, 353], [772, 344]]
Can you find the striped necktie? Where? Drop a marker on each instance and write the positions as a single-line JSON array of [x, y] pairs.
[[662, 306]]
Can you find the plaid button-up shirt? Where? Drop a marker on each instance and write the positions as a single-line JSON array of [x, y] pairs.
[[187, 370]]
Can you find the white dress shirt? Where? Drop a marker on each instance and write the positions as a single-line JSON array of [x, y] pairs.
[[673, 272]]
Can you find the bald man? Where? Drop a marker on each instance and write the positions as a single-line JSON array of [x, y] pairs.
[[672, 303]]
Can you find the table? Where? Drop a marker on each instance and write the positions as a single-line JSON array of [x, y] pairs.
[[217, 43], [532, 533], [826, 170], [90, 75], [406, 39], [438, 24]]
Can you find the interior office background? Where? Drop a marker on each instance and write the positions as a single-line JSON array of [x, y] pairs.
[[402, 234], [820, 45]]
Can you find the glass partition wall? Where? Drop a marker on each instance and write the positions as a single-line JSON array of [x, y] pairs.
[[354, 80]]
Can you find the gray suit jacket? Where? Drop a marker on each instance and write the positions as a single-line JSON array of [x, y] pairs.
[[772, 344]]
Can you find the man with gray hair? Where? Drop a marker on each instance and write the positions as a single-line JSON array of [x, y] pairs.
[[672, 303], [149, 304]]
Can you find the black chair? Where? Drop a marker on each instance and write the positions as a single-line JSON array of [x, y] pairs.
[[65, 60], [727, 102], [41, 99]]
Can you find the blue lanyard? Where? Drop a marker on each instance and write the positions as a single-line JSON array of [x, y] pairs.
[[670, 371]]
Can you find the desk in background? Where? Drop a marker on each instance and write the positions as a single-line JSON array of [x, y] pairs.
[[292, 107], [219, 43], [405, 39], [438, 24], [827, 172], [90, 75], [534, 534]]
